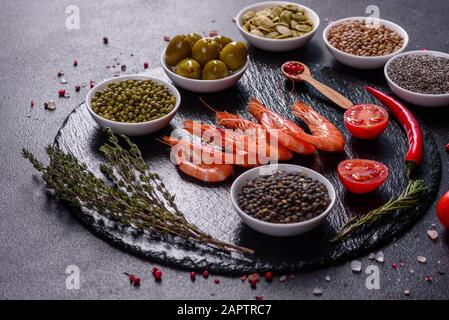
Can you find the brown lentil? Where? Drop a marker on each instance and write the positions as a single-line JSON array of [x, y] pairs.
[[361, 39], [284, 197], [420, 73], [133, 101]]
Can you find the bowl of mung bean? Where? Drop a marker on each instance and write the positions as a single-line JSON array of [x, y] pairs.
[[364, 42], [420, 77], [283, 199], [277, 25], [133, 105]]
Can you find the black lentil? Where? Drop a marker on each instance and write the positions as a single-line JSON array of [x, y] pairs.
[[133, 101], [420, 73], [284, 197]]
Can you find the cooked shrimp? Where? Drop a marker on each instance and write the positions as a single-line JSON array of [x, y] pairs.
[[204, 154], [237, 140], [287, 130], [325, 136], [253, 130], [200, 171]]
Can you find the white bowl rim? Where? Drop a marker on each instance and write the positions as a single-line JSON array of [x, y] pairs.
[[404, 34], [270, 3], [421, 53], [283, 225], [171, 87], [234, 74]]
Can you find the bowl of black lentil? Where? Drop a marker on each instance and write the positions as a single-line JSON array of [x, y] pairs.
[[282, 200], [363, 42], [133, 105], [420, 77]]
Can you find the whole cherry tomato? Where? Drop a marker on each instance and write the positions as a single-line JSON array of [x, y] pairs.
[[443, 210]]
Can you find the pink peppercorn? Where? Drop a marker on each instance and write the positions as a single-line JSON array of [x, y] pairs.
[[145, 65]]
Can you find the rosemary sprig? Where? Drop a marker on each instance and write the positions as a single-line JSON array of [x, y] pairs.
[[407, 199], [136, 198]]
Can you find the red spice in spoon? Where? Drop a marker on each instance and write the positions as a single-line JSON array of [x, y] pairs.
[[293, 69]]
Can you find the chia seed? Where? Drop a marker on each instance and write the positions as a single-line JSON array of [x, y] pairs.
[[284, 198], [422, 74]]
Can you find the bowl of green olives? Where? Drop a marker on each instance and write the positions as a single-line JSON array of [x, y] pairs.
[[277, 25], [133, 105], [204, 64]]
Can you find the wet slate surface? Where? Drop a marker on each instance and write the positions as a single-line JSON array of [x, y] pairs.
[[209, 206], [39, 239]]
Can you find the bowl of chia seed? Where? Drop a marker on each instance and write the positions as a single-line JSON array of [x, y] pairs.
[[283, 199], [420, 77]]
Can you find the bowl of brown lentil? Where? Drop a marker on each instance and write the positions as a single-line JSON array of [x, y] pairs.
[[420, 77], [283, 199], [133, 105], [364, 43]]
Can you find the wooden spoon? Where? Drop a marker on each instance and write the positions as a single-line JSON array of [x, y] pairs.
[[331, 94]]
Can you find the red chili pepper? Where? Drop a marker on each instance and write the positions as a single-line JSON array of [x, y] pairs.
[[409, 123], [447, 147]]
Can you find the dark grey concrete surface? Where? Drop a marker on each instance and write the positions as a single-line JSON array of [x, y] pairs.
[[39, 239]]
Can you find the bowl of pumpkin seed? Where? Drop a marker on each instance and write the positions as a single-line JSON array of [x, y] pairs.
[[277, 25]]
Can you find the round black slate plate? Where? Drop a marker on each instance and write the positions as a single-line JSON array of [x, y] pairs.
[[209, 206]]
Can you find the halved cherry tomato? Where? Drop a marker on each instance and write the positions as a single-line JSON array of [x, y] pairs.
[[443, 210], [366, 121], [362, 176]]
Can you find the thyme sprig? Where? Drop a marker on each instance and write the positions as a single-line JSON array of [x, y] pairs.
[[407, 199], [136, 197]]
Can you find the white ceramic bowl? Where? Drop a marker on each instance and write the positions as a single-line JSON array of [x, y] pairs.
[[277, 229], [419, 99], [277, 44], [133, 129], [203, 86], [361, 62]]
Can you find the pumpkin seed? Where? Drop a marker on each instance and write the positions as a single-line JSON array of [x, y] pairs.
[[283, 30], [295, 34], [263, 21], [293, 24], [263, 29], [248, 15], [256, 33], [263, 13], [272, 35], [286, 16], [303, 28], [282, 36], [276, 11]]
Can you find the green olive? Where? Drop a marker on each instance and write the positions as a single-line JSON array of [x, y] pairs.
[[222, 41], [205, 50], [178, 48], [188, 68], [194, 37], [215, 69], [234, 55]]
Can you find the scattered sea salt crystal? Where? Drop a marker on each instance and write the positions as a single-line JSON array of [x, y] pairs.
[[283, 278], [407, 292], [50, 105], [317, 291], [64, 80], [422, 259], [328, 278], [380, 257], [356, 266], [433, 234]]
